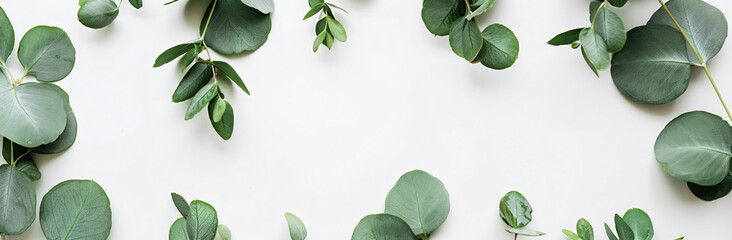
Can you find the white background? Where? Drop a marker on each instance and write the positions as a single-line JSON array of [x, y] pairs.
[[325, 135]]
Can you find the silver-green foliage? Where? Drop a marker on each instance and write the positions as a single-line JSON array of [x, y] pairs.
[[328, 29], [76, 210], [199, 221], [516, 211], [635, 224], [100, 13]]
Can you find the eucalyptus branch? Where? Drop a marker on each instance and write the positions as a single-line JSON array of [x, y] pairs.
[[203, 40]]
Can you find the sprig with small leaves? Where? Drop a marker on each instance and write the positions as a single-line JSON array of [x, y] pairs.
[[635, 224], [199, 221], [100, 13], [328, 29], [516, 211]]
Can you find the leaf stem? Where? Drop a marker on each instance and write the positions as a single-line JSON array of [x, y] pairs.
[[2, 236], [698, 56], [203, 39], [19, 157], [467, 8], [12, 163], [597, 12], [9, 73], [515, 236]]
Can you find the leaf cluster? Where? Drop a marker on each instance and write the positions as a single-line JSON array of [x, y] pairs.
[[635, 224], [100, 13], [328, 29], [495, 47], [199, 221], [515, 211]]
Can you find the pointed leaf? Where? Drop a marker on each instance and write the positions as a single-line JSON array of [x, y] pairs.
[[336, 29], [337, 7], [136, 3], [525, 232], [314, 10], [610, 234], [196, 78], [566, 38], [202, 98], [173, 53], [7, 36], [624, 231], [181, 204], [225, 127], [595, 49], [230, 72], [297, 228], [570, 234]]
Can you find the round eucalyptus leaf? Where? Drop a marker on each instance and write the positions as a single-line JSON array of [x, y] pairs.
[[525, 232], [74, 210], [47, 53], [224, 127], [178, 230], [502, 47], [640, 223], [31, 114], [26, 164], [439, 15], [264, 6], [653, 67], [224, 232], [297, 227], [618, 3], [98, 13], [235, 27], [595, 49], [466, 39], [18, 201], [515, 210], [7, 36], [695, 147], [68, 136], [609, 26], [202, 222], [382, 227], [421, 200], [711, 193], [584, 230], [704, 25], [315, 2]]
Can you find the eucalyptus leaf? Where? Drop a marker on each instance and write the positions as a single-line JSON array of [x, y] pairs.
[[382, 227], [640, 223], [7, 36], [68, 136], [584, 230], [47, 53], [187, 59], [26, 164], [566, 38], [18, 201], [224, 127], [315, 2], [201, 98], [231, 74], [181, 204], [485, 5], [711, 193], [178, 230], [439, 15], [337, 7], [297, 228], [466, 39], [98, 13], [31, 114], [264, 6], [570, 234], [235, 27], [589, 63], [618, 3], [196, 78], [75, 210], [219, 108], [338, 31], [624, 231], [314, 10], [595, 49], [515, 210], [329, 40], [695, 147], [502, 47], [319, 40], [421, 200], [704, 25], [136, 3], [202, 222], [525, 232], [609, 232], [173, 53], [609, 26], [653, 67], [224, 232]]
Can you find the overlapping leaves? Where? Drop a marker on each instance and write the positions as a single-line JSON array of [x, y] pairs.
[[495, 47], [199, 221], [633, 225], [328, 29], [516, 211]]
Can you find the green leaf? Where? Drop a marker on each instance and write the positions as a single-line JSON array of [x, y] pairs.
[[570, 234], [502, 49], [439, 15], [329, 41], [98, 13], [315, 2], [711, 193], [653, 67], [181, 204], [695, 147], [421, 200], [202, 223], [225, 127], [7, 36], [482, 9], [589, 63], [318, 41], [609, 26], [618, 3], [74, 210], [235, 27], [704, 25], [47, 53], [595, 49], [466, 39], [584, 230], [173, 53], [515, 210], [566, 38], [314, 10], [337, 7], [297, 228], [484, 48], [26, 164], [525, 232], [382, 226], [224, 232], [610, 234], [178, 230], [219, 108], [264, 6], [230, 72], [202, 98], [336, 29], [33, 113], [18, 201], [188, 59], [624, 231], [196, 78], [68, 136], [136, 3], [640, 223]]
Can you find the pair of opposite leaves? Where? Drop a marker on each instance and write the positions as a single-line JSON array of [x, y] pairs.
[[635, 224], [199, 221], [495, 47]]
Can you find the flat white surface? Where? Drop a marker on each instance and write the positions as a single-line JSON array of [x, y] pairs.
[[326, 135]]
